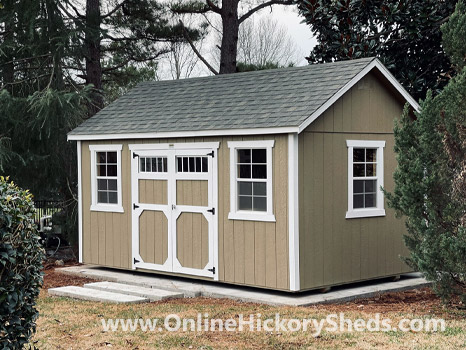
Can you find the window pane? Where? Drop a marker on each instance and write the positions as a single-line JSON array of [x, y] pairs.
[[371, 155], [205, 165], [244, 203], [111, 170], [191, 164], [112, 185], [358, 186], [164, 165], [159, 165], [101, 185], [245, 188], [113, 198], [244, 171], [154, 164], [198, 164], [370, 170], [101, 170], [112, 157], [358, 170], [260, 188], [244, 156], [370, 186], [370, 201], [101, 157], [259, 171], [358, 155], [259, 156], [180, 164], [102, 197], [148, 165], [260, 203], [142, 165], [185, 164], [358, 201]]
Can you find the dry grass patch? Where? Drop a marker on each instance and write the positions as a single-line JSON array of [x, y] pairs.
[[71, 324]]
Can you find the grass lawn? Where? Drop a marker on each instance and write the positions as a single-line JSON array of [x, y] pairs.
[[71, 324]]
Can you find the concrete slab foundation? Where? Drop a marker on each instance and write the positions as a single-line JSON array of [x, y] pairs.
[[195, 288]]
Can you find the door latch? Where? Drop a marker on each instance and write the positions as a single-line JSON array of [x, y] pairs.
[[135, 206], [173, 206], [212, 270], [212, 211]]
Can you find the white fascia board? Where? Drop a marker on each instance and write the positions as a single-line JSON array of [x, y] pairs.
[[374, 64], [176, 145], [177, 134]]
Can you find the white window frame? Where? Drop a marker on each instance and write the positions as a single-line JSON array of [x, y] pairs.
[[236, 214], [95, 206], [379, 209]]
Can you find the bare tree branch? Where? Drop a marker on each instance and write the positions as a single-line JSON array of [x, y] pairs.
[[186, 36], [263, 5], [214, 7], [116, 8]]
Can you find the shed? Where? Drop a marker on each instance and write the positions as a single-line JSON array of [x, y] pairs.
[[269, 179]]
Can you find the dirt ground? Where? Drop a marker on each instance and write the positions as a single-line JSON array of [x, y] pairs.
[[72, 324]]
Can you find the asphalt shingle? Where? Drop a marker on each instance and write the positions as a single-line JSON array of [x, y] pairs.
[[262, 99]]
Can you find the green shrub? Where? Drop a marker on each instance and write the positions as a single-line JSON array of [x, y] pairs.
[[21, 257]]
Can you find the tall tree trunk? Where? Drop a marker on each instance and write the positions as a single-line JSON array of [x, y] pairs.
[[230, 25], [93, 53]]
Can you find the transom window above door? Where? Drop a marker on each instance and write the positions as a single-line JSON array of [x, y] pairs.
[[192, 164], [365, 179], [251, 180], [152, 164]]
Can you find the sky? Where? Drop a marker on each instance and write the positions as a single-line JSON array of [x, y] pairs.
[[299, 32]]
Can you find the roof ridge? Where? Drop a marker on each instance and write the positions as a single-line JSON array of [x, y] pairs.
[[262, 72]]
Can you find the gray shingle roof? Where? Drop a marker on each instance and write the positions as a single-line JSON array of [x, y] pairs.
[[262, 99]]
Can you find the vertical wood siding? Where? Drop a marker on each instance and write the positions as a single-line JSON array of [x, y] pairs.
[[253, 253], [335, 250]]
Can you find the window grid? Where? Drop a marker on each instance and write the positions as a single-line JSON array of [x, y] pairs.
[[364, 178], [107, 178], [251, 179], [153, 164], [192, 164]]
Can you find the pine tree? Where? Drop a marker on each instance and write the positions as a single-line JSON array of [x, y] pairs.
[[430, 181]]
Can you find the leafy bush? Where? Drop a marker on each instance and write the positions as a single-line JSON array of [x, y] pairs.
[[21, 258]]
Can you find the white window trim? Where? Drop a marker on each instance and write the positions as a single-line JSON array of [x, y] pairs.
[[366, 212], [113, 208], [243, 214]]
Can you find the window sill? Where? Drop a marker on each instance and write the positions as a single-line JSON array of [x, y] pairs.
[[364, 213], [108, 208], [251, 216]]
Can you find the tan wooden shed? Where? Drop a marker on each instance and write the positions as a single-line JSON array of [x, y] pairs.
[[269, 179]]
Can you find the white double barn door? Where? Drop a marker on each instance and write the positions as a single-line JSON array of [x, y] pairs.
[[174, 218]]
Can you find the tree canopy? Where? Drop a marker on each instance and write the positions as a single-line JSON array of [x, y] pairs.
[[404, 35]]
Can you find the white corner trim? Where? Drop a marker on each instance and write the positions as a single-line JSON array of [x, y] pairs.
[[165, 146], [113, 208], [293, 212], [379, 210], [234, 213], [374, 64], [80, 204], [177, 134]]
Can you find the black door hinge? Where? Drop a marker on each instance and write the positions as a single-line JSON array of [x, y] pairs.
[[135, 155], [212, 211], [135, 260], [212, 154], [212, 270], [135, 206]]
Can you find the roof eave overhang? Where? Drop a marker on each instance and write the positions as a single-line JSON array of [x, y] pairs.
[[176, 134], [375, 64]]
